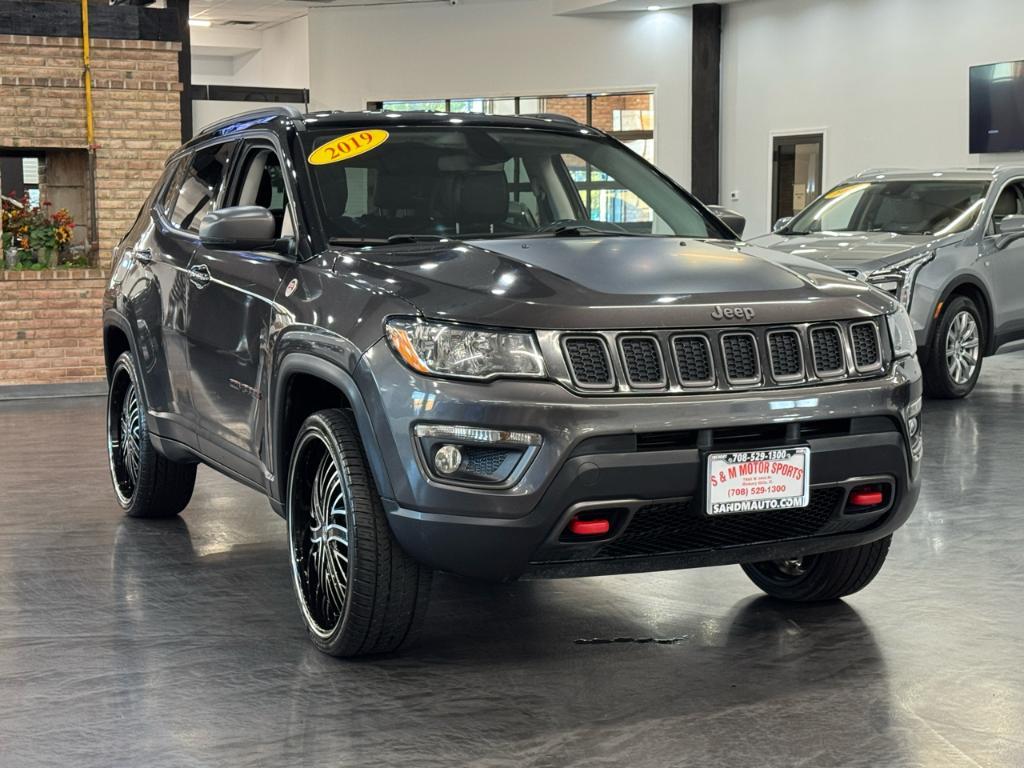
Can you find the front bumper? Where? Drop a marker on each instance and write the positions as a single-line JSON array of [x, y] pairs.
[[634, 451]]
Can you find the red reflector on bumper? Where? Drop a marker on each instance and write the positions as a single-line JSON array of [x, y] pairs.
[[866, 497], [589, 527]]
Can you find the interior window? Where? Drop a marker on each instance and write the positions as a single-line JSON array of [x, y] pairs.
[[261, 182], [607, 200], [197, 193]]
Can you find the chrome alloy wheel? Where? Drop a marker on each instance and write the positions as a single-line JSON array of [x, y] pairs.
[[962, 342], [124, 435], [319, 535], [793, 567]]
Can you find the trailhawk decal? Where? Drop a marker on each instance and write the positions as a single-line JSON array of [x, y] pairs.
[[348, 146]]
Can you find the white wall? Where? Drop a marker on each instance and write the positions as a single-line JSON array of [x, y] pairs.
[[520, 48], [277, 57], [887, 79]]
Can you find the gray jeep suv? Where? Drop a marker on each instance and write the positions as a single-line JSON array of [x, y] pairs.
[[949, 244], [497, 347]]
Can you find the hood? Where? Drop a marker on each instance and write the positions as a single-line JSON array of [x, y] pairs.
[[863, 251], [607, 282]]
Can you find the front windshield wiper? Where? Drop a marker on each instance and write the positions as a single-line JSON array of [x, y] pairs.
[[579, 230]]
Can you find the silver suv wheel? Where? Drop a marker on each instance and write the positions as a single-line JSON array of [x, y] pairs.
[[962, 346]]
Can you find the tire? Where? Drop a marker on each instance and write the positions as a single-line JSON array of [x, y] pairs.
[[146, 483], [814, 578], [359, 593], [959, 336]]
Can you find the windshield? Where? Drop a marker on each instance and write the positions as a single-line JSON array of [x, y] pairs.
[[475, 182], [922, 207]]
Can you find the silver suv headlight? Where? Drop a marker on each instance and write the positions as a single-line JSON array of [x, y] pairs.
[[464, 351], [901, 331], [898, 278]]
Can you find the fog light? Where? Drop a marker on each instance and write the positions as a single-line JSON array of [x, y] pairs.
[[913, 424], [448, 459]]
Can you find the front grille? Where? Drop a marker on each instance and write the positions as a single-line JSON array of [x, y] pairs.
[[827, 346], [642, 361], [740, 353], [866, 353], [784, 349], [588, 360], [718, 359], [693, 360], [681, 526]]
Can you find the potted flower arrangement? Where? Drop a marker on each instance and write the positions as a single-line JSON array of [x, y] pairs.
[[35, 239]]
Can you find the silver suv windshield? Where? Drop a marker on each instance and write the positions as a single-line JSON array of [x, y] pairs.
[[471, 182], [919, 207]]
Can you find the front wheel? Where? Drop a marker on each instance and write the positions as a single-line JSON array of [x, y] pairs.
[[358, 591], [954, 360], [828, 576]]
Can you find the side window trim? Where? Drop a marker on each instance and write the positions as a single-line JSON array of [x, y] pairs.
[[990, 223], [249, 144], [184, 161]]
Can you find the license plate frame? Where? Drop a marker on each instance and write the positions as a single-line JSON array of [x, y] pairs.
[[761, 479]]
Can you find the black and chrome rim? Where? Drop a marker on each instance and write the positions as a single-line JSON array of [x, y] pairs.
[[124, 435], [785, 572], [318, 534], [962, 342]]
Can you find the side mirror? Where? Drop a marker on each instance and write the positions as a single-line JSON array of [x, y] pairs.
[[781, 224], [733, 220], [1010, 228], [242, 228]]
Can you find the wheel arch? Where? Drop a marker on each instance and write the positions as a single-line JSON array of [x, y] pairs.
[[303, 384], [972, 288], [117, 338]]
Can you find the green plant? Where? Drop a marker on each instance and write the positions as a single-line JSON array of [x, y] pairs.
[[39, 237]]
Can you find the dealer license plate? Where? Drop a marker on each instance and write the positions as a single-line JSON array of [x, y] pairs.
[[758, 481]]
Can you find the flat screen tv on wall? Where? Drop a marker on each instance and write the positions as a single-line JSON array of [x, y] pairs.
[[997, 107]]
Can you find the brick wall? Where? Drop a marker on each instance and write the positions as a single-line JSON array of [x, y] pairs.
[[50, 326], [137, 124]]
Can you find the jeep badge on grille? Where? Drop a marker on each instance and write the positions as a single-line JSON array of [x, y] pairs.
[[732, 313]]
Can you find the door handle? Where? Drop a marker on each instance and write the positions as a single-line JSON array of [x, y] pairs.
[[199, 275], [143, 255]]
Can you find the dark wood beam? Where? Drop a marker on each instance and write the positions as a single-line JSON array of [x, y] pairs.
[[180, 8], [705, 102]]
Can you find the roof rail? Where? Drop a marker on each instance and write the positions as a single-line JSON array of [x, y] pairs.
[[874, 171], [265, 114], [553, 116]]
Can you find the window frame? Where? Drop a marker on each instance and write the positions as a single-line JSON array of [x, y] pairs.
[[184, 160], [234, 177]]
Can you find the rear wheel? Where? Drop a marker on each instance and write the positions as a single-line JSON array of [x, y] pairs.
[[827, 576], [358, 591], [954, 360], [146, 483]]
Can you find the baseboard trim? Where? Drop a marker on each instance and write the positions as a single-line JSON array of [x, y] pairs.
[[36, 391]]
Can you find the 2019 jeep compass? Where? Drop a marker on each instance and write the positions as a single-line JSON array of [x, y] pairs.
[[499, 347]]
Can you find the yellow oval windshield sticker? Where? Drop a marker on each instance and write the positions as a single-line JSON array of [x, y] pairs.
[[347, 146]]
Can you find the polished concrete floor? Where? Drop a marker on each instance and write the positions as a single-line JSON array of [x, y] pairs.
[[132, 643]]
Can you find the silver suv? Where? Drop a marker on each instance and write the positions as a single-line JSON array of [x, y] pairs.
[[949, 244]]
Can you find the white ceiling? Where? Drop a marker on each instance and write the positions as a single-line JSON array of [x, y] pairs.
[[267, 13]]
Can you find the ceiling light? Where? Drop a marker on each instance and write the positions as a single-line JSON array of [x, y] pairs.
[[199, 22], [653, 8]]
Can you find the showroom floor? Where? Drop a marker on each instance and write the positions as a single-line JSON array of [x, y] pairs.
[[130, 643]]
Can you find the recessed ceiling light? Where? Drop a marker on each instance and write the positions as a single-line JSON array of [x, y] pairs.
[[199, 22]]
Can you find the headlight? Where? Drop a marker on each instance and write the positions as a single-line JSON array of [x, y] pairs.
[[898, 278], [464, 351], [901, 331]]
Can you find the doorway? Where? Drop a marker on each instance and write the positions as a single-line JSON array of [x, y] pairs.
[[797, 170]]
